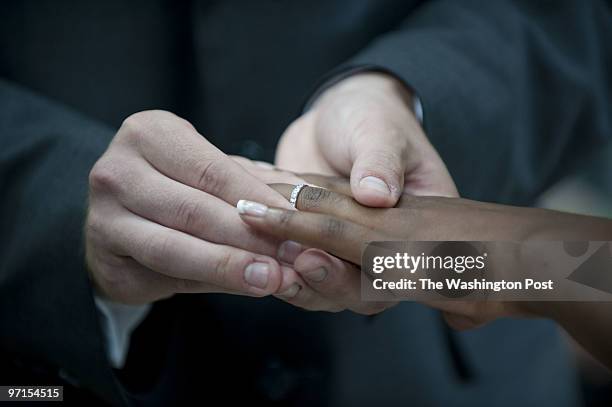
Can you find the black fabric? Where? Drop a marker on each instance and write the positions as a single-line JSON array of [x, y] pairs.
[[521, 89], [514, 94], [46, 305]]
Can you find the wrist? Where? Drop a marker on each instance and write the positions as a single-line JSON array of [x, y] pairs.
[[376, 83], [372, 91]]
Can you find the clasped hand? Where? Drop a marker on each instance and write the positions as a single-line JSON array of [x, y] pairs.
[[162, 218], [333, 226]]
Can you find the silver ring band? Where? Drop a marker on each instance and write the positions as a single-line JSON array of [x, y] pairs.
[[294, 194]]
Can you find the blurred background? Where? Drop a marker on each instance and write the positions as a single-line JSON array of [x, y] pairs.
[[588, 192]]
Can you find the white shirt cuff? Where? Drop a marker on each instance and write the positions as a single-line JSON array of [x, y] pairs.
[[118, 323], [417, 107]]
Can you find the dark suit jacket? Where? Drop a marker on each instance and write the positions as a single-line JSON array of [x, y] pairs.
[[515, 94]]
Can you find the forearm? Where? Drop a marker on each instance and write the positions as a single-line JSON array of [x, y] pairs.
[[589, 322], [464, 220], [548, 225]]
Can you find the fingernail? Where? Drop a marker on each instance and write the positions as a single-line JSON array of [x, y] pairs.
[[316, 275], [376, 185], [256, 274], [289, 250], [291, 291], [251, 208]]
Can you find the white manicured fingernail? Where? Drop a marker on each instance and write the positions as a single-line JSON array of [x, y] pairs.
[[257, 274], [251, 208], [375, 185]]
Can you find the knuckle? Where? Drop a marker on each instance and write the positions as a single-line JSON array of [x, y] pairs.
[[332, 228], [209, 176], [156, 250], [186, 217], [133, 125], [137, 125], [285, 219], [104, 176], [222, 268]]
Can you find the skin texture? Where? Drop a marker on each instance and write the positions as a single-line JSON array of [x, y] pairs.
[[331, 221], [161, 217], [362, 127]]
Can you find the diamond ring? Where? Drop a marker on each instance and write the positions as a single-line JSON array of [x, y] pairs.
[[295, 193]]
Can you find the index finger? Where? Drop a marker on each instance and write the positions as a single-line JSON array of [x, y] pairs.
[[174, 147]]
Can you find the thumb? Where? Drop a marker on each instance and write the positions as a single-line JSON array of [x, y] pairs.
[[377, 174]]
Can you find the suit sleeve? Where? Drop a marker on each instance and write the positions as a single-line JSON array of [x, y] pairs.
[[515, 94], [47, 312]]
